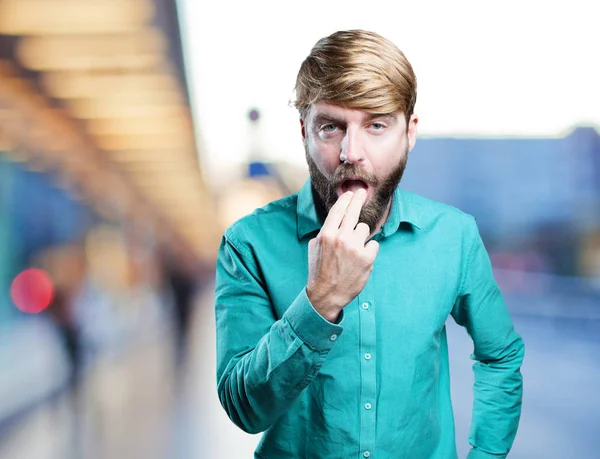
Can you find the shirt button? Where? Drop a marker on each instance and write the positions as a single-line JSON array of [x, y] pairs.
[[368, 356], [367, 406], [365, 305], [366, 454], [333, 337]]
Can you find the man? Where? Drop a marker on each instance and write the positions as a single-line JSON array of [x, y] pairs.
[[331, 303]]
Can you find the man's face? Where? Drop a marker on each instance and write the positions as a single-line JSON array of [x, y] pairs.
[[376, 147]]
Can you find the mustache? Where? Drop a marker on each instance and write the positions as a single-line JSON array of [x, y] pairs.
[[353, 171]]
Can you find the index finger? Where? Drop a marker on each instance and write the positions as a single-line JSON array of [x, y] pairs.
[[353, 210], [336, 213]]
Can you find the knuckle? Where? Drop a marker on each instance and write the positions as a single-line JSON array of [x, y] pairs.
[[341, 241], [323, 238], [356, 252]]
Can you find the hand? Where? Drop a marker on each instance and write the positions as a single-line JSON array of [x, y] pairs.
[[339, 262]]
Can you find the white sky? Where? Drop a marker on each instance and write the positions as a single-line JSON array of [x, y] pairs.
[[525, 68]]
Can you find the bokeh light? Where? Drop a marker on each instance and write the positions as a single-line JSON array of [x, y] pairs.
[[32, 291], [254, 114]]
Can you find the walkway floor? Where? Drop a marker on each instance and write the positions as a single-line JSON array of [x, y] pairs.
[[137, 407]]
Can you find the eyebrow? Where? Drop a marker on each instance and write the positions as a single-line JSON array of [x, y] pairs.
[[326, 119], [390, 117]]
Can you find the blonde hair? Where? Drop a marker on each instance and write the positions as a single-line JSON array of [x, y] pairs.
[[357, 69]]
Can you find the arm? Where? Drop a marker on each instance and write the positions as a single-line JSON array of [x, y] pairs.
[[262, 363], [498, 351]]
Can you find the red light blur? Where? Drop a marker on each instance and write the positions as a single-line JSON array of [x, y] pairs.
[[32, 291]]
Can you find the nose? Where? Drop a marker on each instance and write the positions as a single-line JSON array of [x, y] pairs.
[[352, 147]]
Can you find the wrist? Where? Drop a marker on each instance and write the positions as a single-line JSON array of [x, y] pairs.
[[330, 317], [328, 311]]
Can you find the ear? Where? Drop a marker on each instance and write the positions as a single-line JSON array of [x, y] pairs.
[[411, 131], [303, 129]]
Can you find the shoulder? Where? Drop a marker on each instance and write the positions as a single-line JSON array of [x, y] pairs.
[[452, 231], [435, 213], [272, 220]]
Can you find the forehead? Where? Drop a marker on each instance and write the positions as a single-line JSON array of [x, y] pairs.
[[327, 110]]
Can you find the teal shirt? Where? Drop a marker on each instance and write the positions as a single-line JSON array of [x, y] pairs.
[[375, 384]]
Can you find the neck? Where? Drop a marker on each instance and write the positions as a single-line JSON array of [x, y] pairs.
[[383, 219]]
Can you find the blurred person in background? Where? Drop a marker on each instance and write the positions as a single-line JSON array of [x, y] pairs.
[[183, 289], [66, 265], [331, 303]]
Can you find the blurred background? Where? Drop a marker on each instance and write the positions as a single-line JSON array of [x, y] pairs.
[[133, 132]]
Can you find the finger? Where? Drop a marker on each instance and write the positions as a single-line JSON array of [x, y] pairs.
[[337, 211], [372, 248], [353, 211], [362, 232]]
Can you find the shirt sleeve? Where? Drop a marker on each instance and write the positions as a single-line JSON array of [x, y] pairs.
[[498, 352], [263, 362]]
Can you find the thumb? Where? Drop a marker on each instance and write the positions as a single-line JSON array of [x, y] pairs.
[[372, 248]]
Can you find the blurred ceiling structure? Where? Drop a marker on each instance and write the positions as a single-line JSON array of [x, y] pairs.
[[97, 90]]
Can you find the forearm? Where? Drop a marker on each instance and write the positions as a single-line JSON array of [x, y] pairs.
[[498, 389], [256, 388]]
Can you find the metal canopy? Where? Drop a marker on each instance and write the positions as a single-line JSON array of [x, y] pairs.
[[98, 90]]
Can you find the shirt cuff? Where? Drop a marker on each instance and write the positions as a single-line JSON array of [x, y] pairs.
[[479, 454], [310, 326]]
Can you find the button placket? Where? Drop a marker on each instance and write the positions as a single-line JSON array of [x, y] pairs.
[[368, 334]]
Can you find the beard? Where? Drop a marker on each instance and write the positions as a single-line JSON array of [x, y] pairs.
[[325, 188]]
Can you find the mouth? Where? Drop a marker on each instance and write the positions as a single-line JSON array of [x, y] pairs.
[[352, 185]]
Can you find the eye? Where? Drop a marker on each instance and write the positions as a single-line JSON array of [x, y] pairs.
[[329, 131], [378, 126]]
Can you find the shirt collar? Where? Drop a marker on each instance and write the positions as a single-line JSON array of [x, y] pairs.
[[401, 211]]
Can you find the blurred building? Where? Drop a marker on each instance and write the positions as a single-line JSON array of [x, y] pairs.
[[98, 156], [531, 195]]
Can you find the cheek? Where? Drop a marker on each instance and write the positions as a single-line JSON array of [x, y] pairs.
[[386, 153], [325, 155]]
